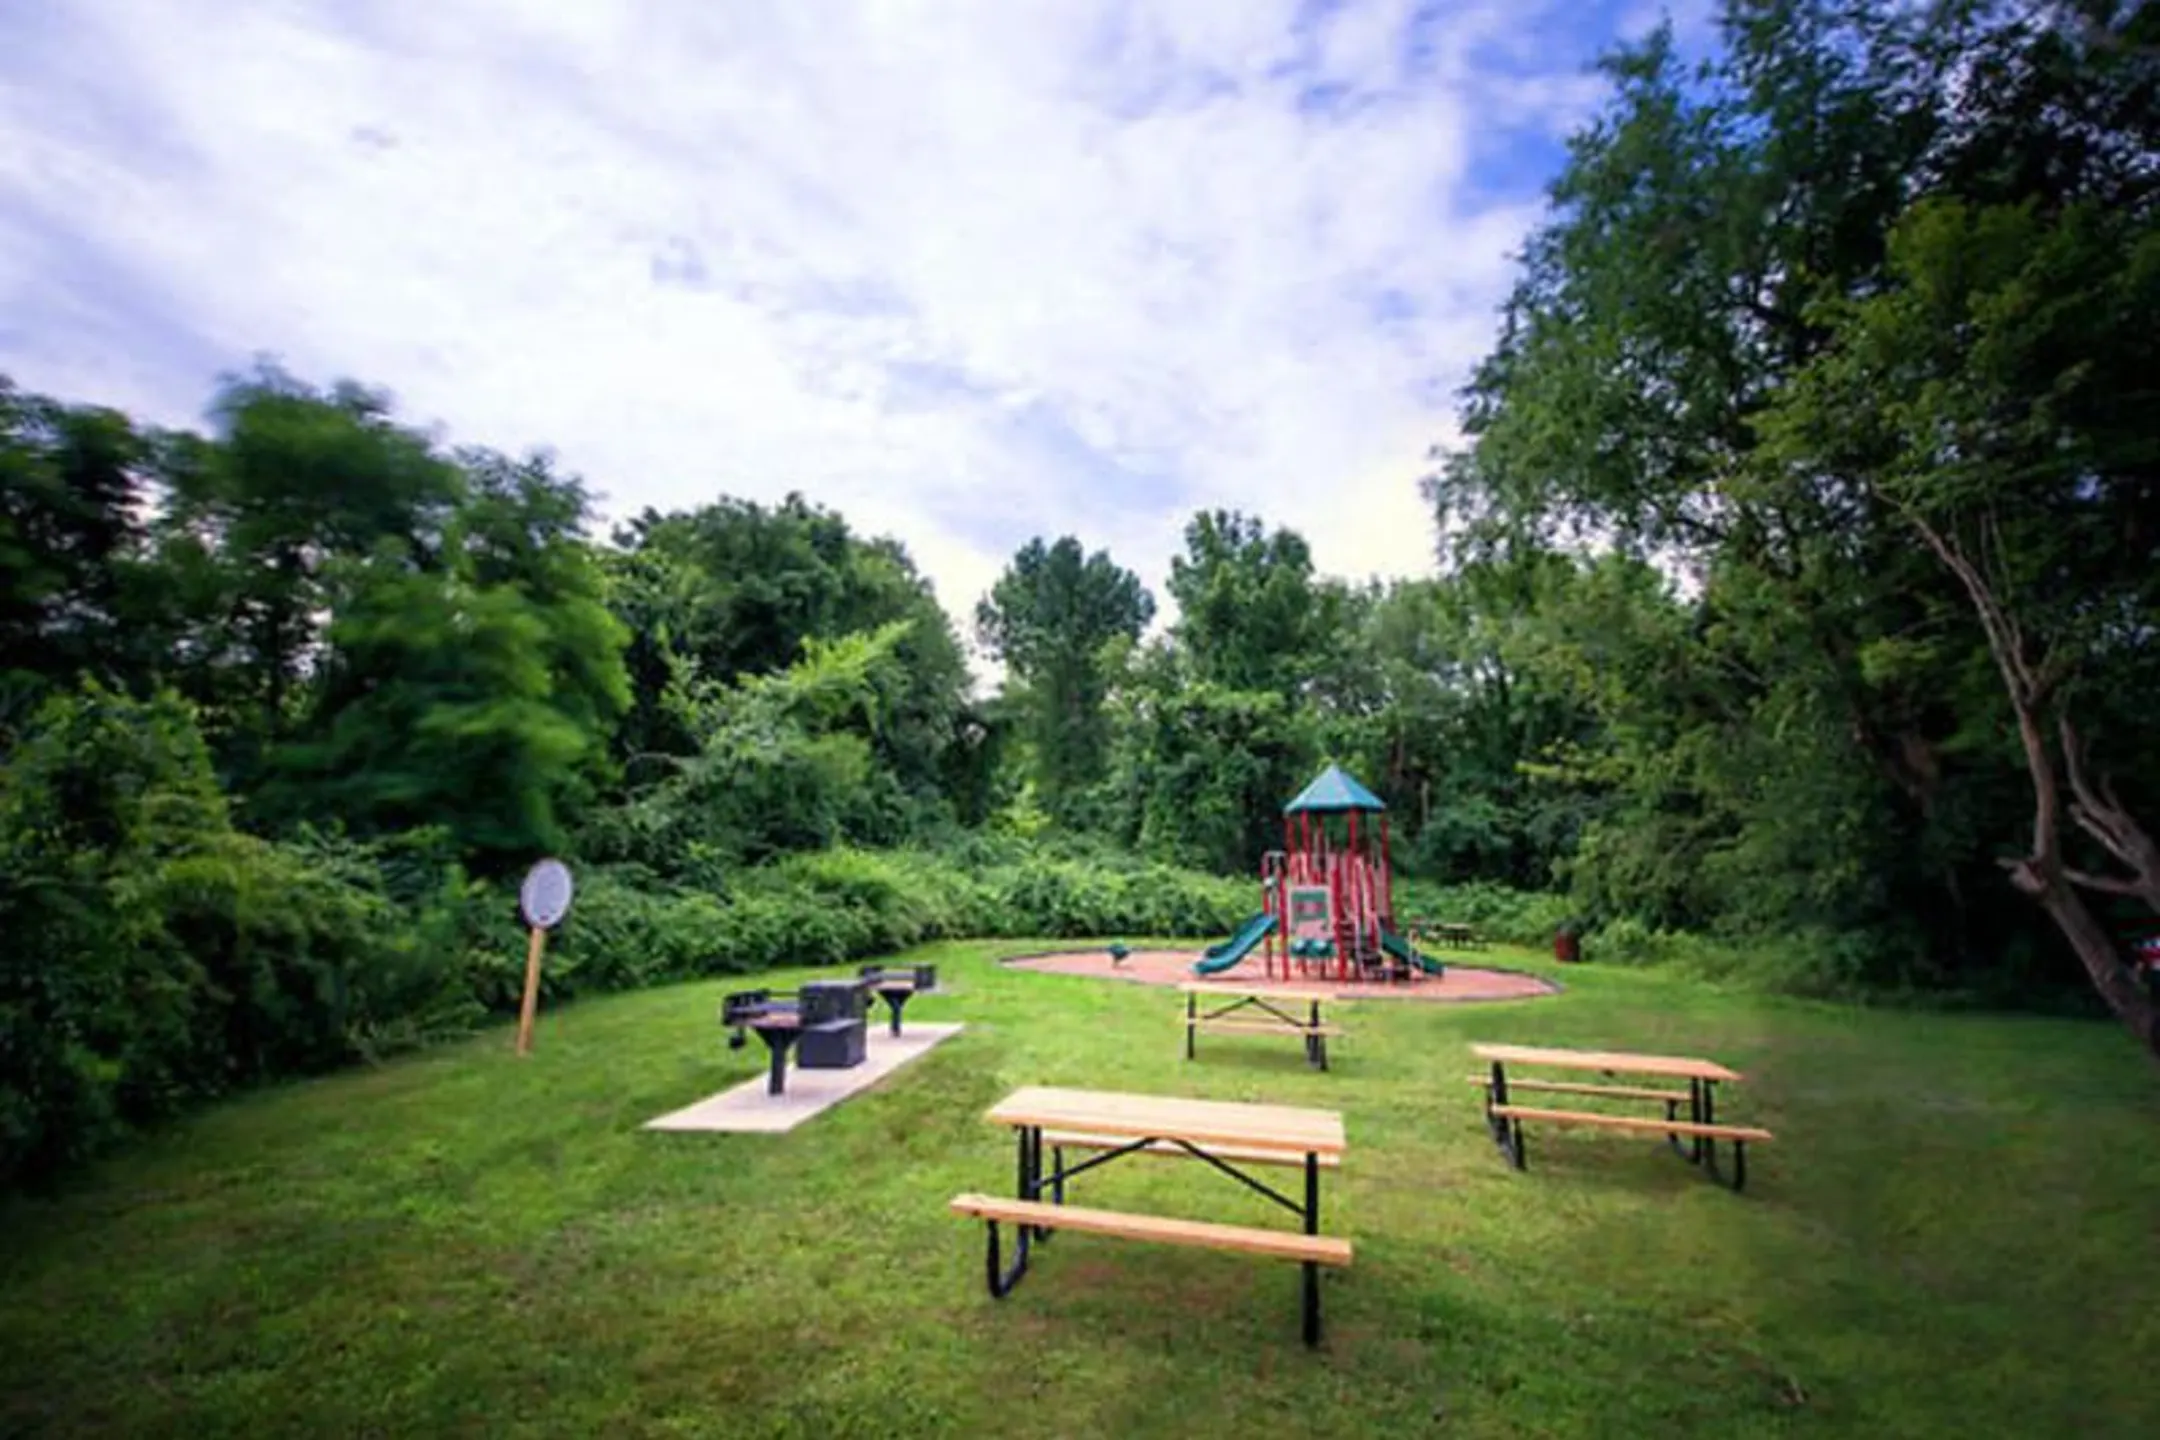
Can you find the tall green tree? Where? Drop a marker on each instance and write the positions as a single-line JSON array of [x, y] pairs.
[[79, 595], [1705, 230], [781, 764], [738, 589], [294, 484], [1049, 618], [1461, 717], [477, 691], [1201, 771], [1250, 616], [1998, 398]]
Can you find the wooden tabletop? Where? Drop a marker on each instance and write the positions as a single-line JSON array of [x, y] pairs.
[[1262, 992], [1219, 1122], [1685, 1066]]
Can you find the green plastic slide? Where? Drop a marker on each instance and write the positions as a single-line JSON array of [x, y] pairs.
[[1218, 958], [1404, 951]]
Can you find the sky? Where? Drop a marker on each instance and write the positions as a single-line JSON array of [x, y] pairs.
[[966, 271]]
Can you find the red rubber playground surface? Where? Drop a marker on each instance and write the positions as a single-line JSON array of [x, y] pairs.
[[1174, 967]]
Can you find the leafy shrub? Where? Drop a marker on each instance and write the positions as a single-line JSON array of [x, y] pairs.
[[157, 956], [624, 933], [1514, 917], [1072, 898], [1823, 964]]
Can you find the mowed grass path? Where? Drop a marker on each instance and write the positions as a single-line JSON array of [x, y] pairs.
[[1957, 1232]]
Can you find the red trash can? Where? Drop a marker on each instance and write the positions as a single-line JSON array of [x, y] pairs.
[[1566, 946]]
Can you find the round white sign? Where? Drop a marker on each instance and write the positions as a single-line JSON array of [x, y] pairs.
[[545, 895]]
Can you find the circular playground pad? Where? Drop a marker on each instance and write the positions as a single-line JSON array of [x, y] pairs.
[[1174, 967]]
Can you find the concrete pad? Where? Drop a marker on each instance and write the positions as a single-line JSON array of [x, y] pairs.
[[748, 1108]]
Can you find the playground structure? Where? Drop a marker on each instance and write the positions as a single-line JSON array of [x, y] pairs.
[[1327, 897]]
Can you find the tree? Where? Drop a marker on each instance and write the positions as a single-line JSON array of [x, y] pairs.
[[1703, 228], [1202, 771], [781, 764], [293, 484], [477, 691], [1048, 618], [1249, 615], [1998, 397], [1461, 715], [79, 595], [737, 589]]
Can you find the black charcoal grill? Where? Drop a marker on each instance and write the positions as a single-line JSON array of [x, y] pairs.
[[775, 1019], [824, 1021], [897, 984]]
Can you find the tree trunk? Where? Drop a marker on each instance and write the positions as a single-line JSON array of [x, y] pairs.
[[2117, 983], [2041, 873]]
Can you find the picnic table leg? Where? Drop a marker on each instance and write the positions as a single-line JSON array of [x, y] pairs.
[[1033, 1185], [1192, 1017], [1315, 1042], [1693, 1154], [1506, 1133], [1738, 1179], [1002, 1280], [1496, 1094], [1707, 1145], [1312, 1270]]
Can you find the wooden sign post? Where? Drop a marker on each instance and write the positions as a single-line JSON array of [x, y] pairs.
[[543, 899]]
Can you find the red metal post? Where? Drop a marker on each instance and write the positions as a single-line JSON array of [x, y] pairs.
[[1355, 878], [1387, 878]]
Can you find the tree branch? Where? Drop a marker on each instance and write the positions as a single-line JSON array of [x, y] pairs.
[[2107, 883], [2073, 749], [2103, 816], [2002, 640]]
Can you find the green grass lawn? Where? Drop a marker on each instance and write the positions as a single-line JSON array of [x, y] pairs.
[[1957, 1232]]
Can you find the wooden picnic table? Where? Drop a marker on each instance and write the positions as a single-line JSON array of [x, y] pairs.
[[1265, 1017], [1701, 1128], [1113, 1124], [1457, 933]]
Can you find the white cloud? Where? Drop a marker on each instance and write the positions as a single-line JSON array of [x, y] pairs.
[[965, 272]]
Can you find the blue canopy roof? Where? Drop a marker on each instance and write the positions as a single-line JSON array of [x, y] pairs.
[[1334, 789]]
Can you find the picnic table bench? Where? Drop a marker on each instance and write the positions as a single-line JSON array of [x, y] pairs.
[[1112, 1125], [1258, 1010], [1701, 1129]]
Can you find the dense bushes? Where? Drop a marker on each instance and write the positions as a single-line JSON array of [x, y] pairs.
[[1517, 917], [156, 956], [831, 906]]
